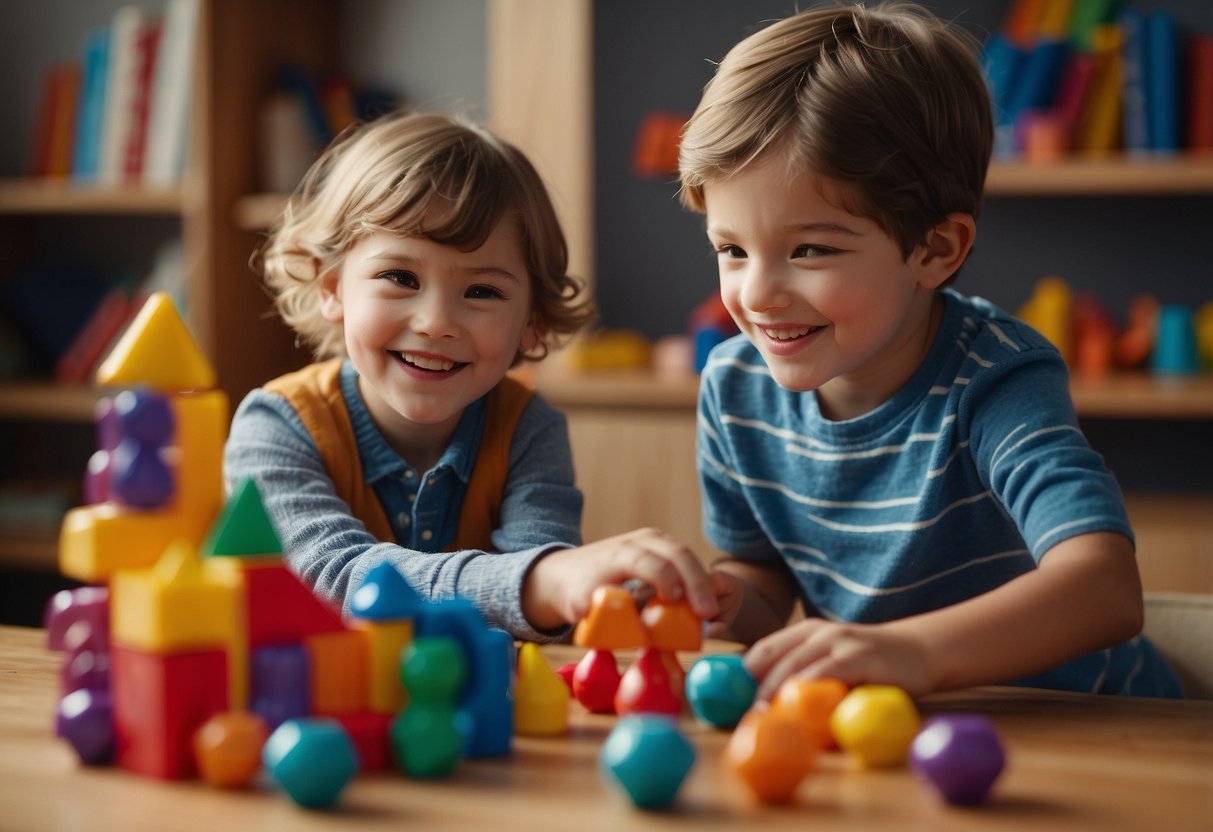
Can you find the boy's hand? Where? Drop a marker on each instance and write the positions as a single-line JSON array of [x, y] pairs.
[[854, 653], [558, 588]]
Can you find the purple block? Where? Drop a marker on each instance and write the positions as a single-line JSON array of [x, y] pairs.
[[280, 683], [85, 719], [960, 755], [86, 668], [75, 617], [144, 416]]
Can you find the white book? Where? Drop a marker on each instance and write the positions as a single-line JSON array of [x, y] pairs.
[[168, 122], [125, 27]]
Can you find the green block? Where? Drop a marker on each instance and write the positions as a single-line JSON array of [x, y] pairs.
[[243, 527]]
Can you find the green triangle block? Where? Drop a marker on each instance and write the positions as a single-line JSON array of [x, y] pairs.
[[243, 528]]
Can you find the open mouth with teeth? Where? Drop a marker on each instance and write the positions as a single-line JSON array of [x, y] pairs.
[[789, 334], [426, 364]]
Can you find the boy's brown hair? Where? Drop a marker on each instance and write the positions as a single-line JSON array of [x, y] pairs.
[[888, 102], [385, 176]]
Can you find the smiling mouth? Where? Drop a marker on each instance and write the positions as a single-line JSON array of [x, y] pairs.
[[428, 364], [789, 333]]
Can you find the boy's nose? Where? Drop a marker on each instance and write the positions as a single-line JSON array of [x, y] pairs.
[[435, 317], [763, 289]]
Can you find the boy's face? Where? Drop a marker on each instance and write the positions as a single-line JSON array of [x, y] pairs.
[[825, 296], [430, 328]]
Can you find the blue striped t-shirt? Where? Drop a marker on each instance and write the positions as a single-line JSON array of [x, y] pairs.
[[956, 485]]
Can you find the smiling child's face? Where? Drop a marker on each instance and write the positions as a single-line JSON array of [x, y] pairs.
[[430, 328], [826, 296]]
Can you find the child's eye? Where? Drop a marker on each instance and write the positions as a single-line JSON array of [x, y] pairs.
[[732, 251], [406, 280], [806, 250], [484, 292]]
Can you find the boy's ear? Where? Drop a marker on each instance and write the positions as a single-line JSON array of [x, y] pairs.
[[331, 308], [947, 246], [531, 336]]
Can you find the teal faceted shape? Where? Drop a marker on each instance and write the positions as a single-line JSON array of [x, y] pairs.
[[648, 757], [312, 758], [385, 595], [720, 690]]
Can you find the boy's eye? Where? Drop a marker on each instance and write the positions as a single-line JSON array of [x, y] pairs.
[[484, 292], [730, 250], [406, 280], [806, 250]]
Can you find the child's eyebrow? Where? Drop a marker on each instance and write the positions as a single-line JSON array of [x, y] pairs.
[[398, 257], [830, 227]]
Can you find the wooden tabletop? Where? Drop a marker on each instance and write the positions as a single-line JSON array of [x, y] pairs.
[[1074, 762]]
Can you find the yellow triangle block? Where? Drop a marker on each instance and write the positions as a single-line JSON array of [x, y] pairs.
[[157, 350]]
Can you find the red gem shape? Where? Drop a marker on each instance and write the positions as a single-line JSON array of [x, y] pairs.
[[647, 687], [595, 680]]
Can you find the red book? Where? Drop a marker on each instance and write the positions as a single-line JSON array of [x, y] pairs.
[[56, 122], [147, 45], [90, 345], [1200, 94]]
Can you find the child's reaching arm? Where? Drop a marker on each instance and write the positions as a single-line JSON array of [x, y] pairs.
[[1085, 595]]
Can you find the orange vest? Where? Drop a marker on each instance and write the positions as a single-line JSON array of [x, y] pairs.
[[315, 393]]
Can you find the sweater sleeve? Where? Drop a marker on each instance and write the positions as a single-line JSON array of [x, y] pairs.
[[332, 551]]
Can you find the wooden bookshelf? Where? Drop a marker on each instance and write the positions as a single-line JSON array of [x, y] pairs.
[[1106, 176], [48, 402], [62, 196]]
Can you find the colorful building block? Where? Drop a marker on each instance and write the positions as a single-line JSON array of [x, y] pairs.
[[227, 748], [596, 681], [312, 759], [613, 622], [386, 642], [672, 626], [85, 718], [385, 595], [960, 755], [159, 702], [486, 697], [371, 734], [648, 758], [243, 528], [138, 474], [280, 683], [720, 690], [771, 753], [812, 701], [426, 736], [74, 616], [875, 724], [339, 672], [541, 698], [157, 350], [647, 686]]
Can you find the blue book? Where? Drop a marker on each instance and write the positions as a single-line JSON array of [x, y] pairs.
[[1002, 62], [1134, 52], [1162, 82], [87, 147], [1039, 78]]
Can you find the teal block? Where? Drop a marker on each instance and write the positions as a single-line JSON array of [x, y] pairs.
[[313, 759], [720, 690], [649, 758]]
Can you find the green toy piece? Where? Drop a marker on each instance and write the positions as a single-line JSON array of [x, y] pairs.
[[243, 528], [426, 736]]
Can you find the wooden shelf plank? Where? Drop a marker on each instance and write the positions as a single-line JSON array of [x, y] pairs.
[[29, 550], [45, 401], [1109, 176], [54, 196]]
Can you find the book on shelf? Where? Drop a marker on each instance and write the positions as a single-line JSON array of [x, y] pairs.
[[168, 121], [51, 151], [128, 48], [87, 145], [1200, 94], [1105, 77], [93, 341]]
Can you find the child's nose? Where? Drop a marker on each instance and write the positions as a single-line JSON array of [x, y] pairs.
[[764, 289], [436, 317]]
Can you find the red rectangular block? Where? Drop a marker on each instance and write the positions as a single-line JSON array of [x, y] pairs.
[[283, 610], [159, 701], [369, 731]]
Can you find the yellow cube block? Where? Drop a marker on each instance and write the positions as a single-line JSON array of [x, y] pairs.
[[386, 642]]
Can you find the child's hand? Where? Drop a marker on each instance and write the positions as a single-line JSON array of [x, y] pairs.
[[558, 588], [855, 653]]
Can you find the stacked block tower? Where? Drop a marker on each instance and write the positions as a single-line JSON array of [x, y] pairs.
[[192, 642]]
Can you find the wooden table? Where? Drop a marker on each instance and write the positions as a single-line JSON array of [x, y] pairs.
[[1074, 762]]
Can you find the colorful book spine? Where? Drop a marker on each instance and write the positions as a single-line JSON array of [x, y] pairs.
[[1036, 88], [1073, 93], [127, 23], [63, 127], [1099, 129], [1162, 82], [147, 44], [1136, 63], [1085, 16], [87, 349], [92, 104], [169, 117], [1200, 94]]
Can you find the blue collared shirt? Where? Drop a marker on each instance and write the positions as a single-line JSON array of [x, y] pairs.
[[332, 551]]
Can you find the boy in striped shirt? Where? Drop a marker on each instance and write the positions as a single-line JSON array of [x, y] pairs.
[[902, 459]]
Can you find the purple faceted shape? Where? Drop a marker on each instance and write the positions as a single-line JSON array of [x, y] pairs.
[[78, 617], [960, 755], [144, 416], [86, 668], [86, 720]]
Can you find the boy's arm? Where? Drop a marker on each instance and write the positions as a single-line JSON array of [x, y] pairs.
[[755, 599], [1085, 595]]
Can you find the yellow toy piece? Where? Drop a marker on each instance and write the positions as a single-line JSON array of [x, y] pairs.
[[1049, 312], [157, 350], [97, 540], [876, 724], [386, 642], [541, 698]]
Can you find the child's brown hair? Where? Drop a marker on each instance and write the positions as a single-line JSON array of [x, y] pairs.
[[385, 176], [889, 102]]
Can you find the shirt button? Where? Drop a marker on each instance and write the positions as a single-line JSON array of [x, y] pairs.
[[409, 474], [403, 519], [412, 498], [427, 535]]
